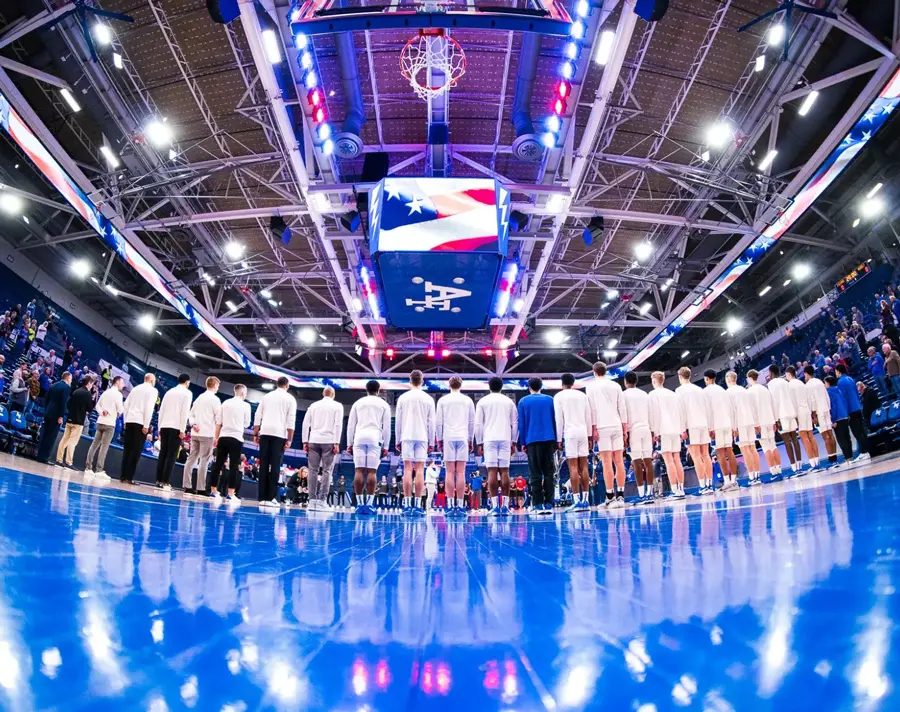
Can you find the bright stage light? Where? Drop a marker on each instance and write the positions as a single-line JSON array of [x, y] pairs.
[[264, 341], [232, 307], [612, 294], [555, 337], [875, 189], [103, 34], [643, 250], [801, 271], [767, 161], [117, 60], [11, 204], [775, 35], [80, 268], [276, 352], [158, 133], [70, 100], [605, 47], [265, 293], [307, 335], [518, 305], [719, 134], [733, 324], [685, 354], [271, 46], [760, 63], [267, 386], [612, 343], [807, 103], [111, 159], [645, 307], [147, 322], [234, 251], [765, 290], [871, 207]]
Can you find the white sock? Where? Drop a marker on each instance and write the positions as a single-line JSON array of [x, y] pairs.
[[495, 502]]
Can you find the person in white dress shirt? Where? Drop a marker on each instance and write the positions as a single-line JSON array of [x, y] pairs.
[[743, 408], [820, 405], [573, 428], [723, 428], [668, 425], [321, 433], [640, 439], [455, 433], [800, 396], [273, 430], [172, 421], [699, 424], [109, 407], [414, 435], [786, 414], [368, 437], [496, 432], [205, 415], [609, 421], [228, 442], [764, 407], [137, 415]]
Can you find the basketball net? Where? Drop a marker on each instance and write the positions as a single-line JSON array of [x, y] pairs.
[[433, 63]]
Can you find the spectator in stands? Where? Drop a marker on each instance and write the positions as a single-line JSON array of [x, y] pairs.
[[68, 357], [54, 412], [847, 386], [77, 409], [19, 389], [51, 362], [41, 332], [876, 368], [892, 367], [870, 401], [109, 407], [138, 412], [105, 377]]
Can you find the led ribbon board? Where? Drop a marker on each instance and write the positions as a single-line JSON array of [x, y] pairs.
[[863, 130], [438, 245]]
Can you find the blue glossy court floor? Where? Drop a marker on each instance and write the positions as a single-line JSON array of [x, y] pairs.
[[781, 597]]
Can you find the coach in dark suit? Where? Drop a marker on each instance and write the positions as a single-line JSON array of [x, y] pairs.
[[54, 414]]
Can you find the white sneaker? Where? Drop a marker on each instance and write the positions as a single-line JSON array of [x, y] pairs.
[[274, 504], [101, 477], [216, 496], [233, 500], [323, 506], [862, 457], [88, 474]]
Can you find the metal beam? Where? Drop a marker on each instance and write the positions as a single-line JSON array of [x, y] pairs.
[[859, 70], [37, 74]]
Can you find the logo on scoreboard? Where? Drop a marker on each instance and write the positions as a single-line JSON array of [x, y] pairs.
[[438, 297]]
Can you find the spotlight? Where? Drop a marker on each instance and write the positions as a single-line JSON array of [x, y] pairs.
[[430, 353], [871, 207], [555, 337], [605, 47], [80, 268], [264, 341], [733, 324], [610, 355], [276, 352], [234, 251], [765, 290], [232, 307], [643, 250], [389, 352], [760, 63], [356, 304], [518, 305], [301, 41], [582, 8], [807, 103], [328, 147], [577, 29], [268, 386], [719, 134], [611, 344], [371, 342], [117, 60], [159, 134], [103, 34], [775, 35], [445, 353], [147, 322], [612, 294], [489, 352], [11, 204], [307, 335], [70, 100], [801, 271], [767, 161], [685, 354], [645, 307], [549, 140], [111, 159], [270, 45], [265, 293]]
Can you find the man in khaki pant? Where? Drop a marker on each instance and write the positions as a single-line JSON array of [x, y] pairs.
[[80, 403]]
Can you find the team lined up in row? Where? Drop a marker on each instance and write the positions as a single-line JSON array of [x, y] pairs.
[[602, 417]]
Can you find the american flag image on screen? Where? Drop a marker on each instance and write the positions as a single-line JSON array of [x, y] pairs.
[[440, 215]]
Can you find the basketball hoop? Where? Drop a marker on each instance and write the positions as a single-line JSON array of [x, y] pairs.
[[429, 55]]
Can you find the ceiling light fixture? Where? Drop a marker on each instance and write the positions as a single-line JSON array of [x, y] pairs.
[[786, 283], [81, 268], [807, 103], [270, 45], [685, 354], [765, 290], [605, 47], [645, 307], [11, 204], [264, 341], [555, 337], [158, 133], [775, 35], [760, 63], [307, 335], [801, 271], [103, 34], [147, 322], [643, 251], [733, 324], [110, 157], [117, 60], [719, 134], [767, 161], [275, 352], [871, 207], [875, 189], [70, 100], [234, 250], [232, 307], [265, 293]]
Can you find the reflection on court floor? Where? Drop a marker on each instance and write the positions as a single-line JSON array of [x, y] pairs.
[[766, 600]]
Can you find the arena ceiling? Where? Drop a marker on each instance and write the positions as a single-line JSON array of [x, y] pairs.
[[632, 150]]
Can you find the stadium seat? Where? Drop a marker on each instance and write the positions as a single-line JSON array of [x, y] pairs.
[[893, 412], [878, 419]]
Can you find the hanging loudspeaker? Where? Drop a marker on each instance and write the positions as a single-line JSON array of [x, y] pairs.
[[651, 10]]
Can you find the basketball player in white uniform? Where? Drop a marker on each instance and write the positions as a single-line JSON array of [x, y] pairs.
[[573, 429], [668, 425], [368, 435], [764, 407], [699, 424], [820, 405], [414, 436], [747, 424], [609, 421], [800, 395], [455, 430], [786, 413], [723, 429], [496, 431], [640, 439]]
